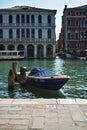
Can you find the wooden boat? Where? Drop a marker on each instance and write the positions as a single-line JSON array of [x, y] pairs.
[[45, 79], [81, 58], [11, 55]]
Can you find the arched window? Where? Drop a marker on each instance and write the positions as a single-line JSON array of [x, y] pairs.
[[49, 33], [17, 19], [49, 51], [1, 19], [32, 33], [10, 19], [18, 33], [32, 19], [23, 33], [22, 19], [20, 47], [1, 33], [39, 33], [10, 34], [39, 19], [27, 19], [28, 33], [49, 19], [10, 47]]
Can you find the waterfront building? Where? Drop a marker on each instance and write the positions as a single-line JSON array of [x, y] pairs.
[[74, 29], [28, 29]]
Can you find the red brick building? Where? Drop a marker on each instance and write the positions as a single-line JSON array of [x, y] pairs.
[[74, 29]]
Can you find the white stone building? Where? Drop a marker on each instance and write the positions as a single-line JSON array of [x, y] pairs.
[[29, 29]]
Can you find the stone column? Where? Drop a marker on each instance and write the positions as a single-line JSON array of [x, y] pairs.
[[5, 47], [25, 51], [35, 51], [54, 51], [20, 34], [14, 19], [44, 51], [15, 47]]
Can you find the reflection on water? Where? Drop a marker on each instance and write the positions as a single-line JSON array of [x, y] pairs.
[[76, 87], [34, 92]]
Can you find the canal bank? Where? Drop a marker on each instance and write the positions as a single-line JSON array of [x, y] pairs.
[[43, 114]]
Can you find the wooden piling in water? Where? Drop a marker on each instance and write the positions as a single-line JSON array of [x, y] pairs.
[[14, 66], [13, 75], [11, 80]]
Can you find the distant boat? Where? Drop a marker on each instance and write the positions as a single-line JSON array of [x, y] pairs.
[[81, 58], [45, 79], [11, 55], [70, 55]]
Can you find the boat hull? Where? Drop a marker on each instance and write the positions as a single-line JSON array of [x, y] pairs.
[[41, 78], [47, 83]]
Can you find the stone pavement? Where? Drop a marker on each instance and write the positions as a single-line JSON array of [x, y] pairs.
[[43, 114]]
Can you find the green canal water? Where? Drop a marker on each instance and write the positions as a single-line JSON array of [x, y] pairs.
[[76, 87]]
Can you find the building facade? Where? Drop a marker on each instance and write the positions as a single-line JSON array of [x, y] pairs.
[[74, 29], [28, 29]]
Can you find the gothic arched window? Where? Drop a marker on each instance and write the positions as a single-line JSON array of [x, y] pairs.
[[27, 19], [10, 19], [10, 33], [22, 19], [17, 19], [32, 19], [27, 33], [1, 19], [39, 19], [18, 33], [39, 33], [32, 33], [49, 33], [1, 33], [49, 19]]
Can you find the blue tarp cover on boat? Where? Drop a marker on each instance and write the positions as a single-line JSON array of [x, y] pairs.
[[41, 72]]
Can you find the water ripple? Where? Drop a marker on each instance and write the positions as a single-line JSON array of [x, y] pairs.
[[76, 87]]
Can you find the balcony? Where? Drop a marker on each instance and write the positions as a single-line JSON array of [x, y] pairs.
[[26, 25], [27, 40]]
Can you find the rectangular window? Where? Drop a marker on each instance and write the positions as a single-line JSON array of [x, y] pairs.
[[77, 23], [68, 35], [76, 35], [1, 33], [85, 35], [68, 23], [82, 35]]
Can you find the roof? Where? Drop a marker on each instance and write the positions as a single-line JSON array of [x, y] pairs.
[[78, 7], [28, 8]]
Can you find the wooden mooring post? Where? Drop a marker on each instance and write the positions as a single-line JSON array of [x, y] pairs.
[[11, 80], [14, 67], [13, 75]]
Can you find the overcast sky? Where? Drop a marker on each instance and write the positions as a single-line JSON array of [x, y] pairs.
[[47, 4]]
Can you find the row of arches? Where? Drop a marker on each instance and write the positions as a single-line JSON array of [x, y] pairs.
[[25, 19], [31, 51]]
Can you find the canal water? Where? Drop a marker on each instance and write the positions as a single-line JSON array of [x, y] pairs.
[[76, 87]]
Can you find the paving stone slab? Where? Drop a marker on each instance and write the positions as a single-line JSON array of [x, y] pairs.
[[43, 114]]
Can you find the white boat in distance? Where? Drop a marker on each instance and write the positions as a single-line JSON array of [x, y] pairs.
[[11, 55]]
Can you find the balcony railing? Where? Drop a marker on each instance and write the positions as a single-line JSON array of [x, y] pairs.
[[27, 40], [26, 24]]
